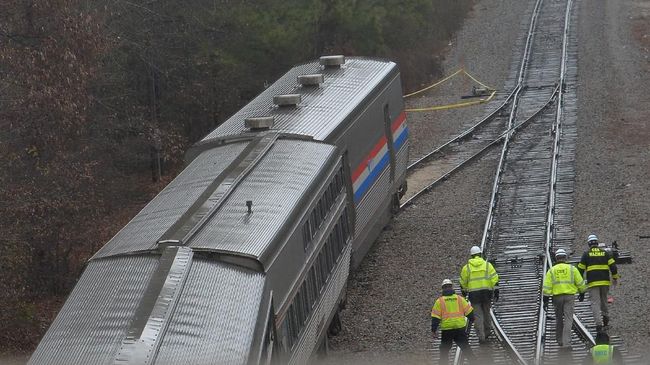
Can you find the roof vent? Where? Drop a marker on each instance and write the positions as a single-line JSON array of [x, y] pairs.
[[259, 123], [332, 61], [286, 100], [311, 80]]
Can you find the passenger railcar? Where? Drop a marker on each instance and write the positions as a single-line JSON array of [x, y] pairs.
[[244, 257]]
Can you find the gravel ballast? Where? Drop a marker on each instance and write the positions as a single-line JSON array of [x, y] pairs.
[[613, 150], [390, 295], [387, 319]]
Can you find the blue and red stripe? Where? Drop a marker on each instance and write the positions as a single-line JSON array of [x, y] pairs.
[[374, 164]]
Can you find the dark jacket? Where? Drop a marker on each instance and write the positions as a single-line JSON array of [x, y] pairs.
[[598, 264]]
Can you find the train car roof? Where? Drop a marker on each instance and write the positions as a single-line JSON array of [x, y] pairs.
[[209, 199], [95, 323], [322, 109]]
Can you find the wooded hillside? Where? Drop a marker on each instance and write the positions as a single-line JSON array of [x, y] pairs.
[[99, 100]]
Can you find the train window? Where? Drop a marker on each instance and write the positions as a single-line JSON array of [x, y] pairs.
[[324, 208], [318, 218], [306, 235], [333, 250], [316, 270], [346, 225], [305, 303], [308, 290], [285, 332], [323, 266], [313, 225], [327, 199], [319, 212], [293, 325], [313, 287], [339, 238], [300, 312], [328, 253], [334, 239], [322, 273], [304, 309]]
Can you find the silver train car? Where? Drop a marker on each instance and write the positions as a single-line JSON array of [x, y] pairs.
[[244, 257]]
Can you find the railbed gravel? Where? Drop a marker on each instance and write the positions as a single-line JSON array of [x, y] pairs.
[[613, 151], [387, 317], [386, 320]]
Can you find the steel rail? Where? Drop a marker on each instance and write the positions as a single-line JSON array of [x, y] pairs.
[[512, 96], [541, 328], [550, 207], [488, 222], [464, 134], [580, 328], [494, 142], [514, 99], [520, 81]]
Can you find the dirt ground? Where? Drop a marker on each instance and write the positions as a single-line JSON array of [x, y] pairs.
[[613, 151], [13, 359], [389, 297]]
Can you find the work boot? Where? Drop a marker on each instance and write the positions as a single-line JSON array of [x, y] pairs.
[[605, 321]]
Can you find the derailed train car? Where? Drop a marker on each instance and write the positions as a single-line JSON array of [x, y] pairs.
[[244, 257]]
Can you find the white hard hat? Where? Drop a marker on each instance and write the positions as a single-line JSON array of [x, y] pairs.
[[446, 282], [560, 252], [475, 250], [592, 237]]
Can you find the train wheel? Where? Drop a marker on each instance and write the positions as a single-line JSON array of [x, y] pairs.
[[323, 349], [402, 190], [336, 326], [394, 209]]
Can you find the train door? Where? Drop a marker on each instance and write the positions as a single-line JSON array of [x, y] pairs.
[[389, 138], [345, 160], [270, 347]]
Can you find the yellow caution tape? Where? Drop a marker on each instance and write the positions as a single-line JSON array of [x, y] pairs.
[[451, 106], [477, 81], [433, 85]]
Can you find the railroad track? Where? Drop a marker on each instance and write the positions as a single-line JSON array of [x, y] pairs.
[[532, 195], [532, 199], [519, 227], [497, 126], [439, 164]]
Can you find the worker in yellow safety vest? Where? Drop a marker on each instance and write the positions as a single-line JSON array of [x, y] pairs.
[[603, 353], [479, 282], [563, 282], [454, 315]]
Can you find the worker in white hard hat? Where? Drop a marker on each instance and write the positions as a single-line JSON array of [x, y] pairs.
[[454, 315], [599, 269], [563, 282], [480, 282]]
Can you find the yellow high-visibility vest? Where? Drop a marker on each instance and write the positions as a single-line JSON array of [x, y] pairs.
[[563, 278], [478, 274], [451, 310], [602, 354]]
